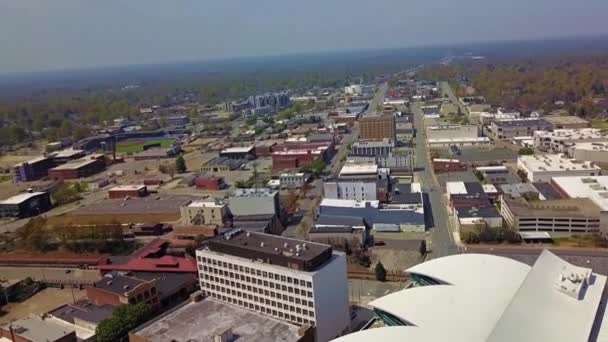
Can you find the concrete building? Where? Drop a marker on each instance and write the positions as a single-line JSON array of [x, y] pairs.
[[36, 329], [296, 156], [117, 289], [360, 170], [25, 205], [178, 120], [568, 122], [293, 180], [496, 174], [122, 191], [33, 169], [589, 151], [565, 216], [487, 298], [509, 129], [80, 168], [223, 164], [541, 168], [377, 127], [340, 230], [372, 148], [83, 317], [297, 281], [487, 118], [199, 213], [210, 183], [451, 132], [67, 155], [212, 319], [560, 140], [385, 154], [247, 202]]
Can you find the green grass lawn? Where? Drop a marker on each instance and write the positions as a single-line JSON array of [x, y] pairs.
[[135, 146], [599, 123]]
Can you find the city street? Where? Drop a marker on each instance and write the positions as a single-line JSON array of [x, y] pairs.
[[442, 242]]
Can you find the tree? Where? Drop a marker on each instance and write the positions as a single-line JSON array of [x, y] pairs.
[[180, 165], [423, 250], [525, 151], [380, 272], [124, 318]]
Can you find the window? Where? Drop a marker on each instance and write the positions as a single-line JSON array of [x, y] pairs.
[[290, 289], [308, 284]]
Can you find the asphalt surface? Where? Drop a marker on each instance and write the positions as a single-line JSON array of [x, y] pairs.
[[442, 241]]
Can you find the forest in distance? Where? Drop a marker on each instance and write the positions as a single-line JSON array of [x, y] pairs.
[[526, 75]]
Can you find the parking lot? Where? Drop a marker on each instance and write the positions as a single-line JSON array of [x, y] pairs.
[[40, 303]]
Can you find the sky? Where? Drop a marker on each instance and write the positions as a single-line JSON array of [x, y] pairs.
[[40, 35]]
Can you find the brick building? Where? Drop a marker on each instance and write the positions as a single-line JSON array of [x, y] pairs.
[[33, 170], [377, 127], [80, 168], [295, 156], [116, 289], [123, 191], [448, 165], [209, 183]]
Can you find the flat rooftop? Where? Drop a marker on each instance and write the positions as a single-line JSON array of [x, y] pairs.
[[346, 203], [257, 245], [521, 122], [20, 198], [572, 134], [260, 192], [35, 328], [593, 187], [165, 204], [457, 140], [374, 143], [67, 153], [555, 163], [575, 207], [130, 187], [565, 120], [200, 321], [244, 149], [358, 168], [591, 146], [76, 164], [206, 204], [83, 310], [118, 283]]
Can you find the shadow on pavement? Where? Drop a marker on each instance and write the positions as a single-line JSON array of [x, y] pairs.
[[428, 211]]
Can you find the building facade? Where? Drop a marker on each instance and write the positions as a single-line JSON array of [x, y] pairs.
[[451, 132], [377, 127], [33, 170], [560, 140], [293, 180], [541, 168], [296, 281], [509, 129], [351, 189], [25, 205], [116, 289], [201, 213]]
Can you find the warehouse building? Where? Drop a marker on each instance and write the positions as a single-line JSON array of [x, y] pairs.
[[568, 122], [541, 168], [293, 180], [25, 205], [460, 142], [593, 188], [223, 164], [509, 129], [245, 152], [589, 151]]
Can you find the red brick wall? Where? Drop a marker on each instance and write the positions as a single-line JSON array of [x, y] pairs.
[[451, 167], [208, 183], [101, 297], [124, 193]]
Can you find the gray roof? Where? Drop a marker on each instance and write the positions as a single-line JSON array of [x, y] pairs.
[[547, 190], [167, 283], [117, 283], [83, 310], [473, 211], [335, 220], [521, 123], [376, 215], [406, 198]]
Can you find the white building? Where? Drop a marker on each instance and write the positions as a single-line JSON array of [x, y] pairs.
[[509, 129], [541, 168], [593, 188], [487, 118], [451, 132], [298, 281], [245, 202], [354, 89], [351, 189], [589, 151], [293, 180], [203, 213], [487, 298], [460, 142], [560, 140]]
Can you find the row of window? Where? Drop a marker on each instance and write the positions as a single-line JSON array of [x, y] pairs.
[[252, 271], [259, 282], [289, 313], [253, 289]]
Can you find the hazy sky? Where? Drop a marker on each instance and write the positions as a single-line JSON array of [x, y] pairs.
[[59, 34]]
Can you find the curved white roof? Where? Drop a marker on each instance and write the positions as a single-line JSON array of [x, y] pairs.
[[490, 298], [480, 286], [464, 269]]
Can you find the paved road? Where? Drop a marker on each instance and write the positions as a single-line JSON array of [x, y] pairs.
[[442, 242], [446, 89], [378, 99]]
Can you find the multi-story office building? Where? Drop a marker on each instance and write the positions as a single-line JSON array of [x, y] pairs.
[[385, 154], [377, 127], [364, 189], [509, 129], [298, 281], [245, 202]]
